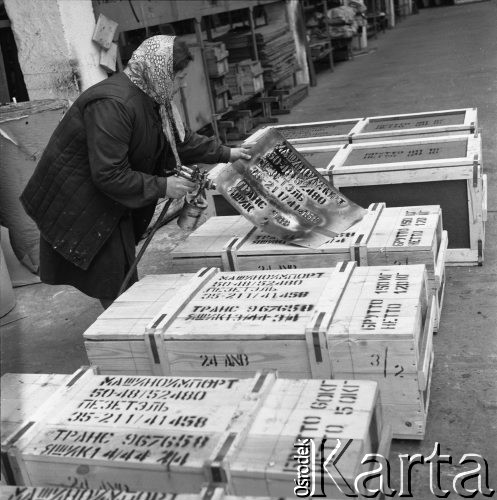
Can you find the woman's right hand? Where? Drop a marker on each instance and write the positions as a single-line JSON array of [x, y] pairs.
[[177, 187]]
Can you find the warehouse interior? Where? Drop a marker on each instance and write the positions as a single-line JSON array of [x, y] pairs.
[[438, 58]]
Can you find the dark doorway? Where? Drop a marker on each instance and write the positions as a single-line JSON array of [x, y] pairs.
[[12, 84]]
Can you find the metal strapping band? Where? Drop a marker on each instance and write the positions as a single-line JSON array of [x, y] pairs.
[[159, 320], [260, 382], [20, 433], [357, 249], [373, 432], [76, 377], [475, 171], [153, 346], [218, 475], [315, 338], [229, 253]]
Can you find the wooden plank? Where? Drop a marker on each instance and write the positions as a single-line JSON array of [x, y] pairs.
[[104, 31], [108, 58]]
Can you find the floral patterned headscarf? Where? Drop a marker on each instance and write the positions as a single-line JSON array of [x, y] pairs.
[[151, 69]]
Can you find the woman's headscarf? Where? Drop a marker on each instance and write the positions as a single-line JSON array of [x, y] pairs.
[[151, 69]]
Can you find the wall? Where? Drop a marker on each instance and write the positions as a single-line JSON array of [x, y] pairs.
[[56, 54]]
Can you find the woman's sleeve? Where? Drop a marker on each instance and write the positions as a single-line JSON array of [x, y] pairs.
[[109, 128], [198, 148]]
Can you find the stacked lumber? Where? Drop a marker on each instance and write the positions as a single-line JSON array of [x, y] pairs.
[[216, 57], [176, 434], [238, 323], [275, 46]]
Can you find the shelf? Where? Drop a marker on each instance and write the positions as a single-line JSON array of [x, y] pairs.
[[138, 14]]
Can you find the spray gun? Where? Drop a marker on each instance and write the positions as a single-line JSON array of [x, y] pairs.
[[195, 204], [188, 218]]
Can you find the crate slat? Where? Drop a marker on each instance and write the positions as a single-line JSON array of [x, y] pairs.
[[405, 126]]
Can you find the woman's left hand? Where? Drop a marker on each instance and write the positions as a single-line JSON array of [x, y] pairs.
[[242, 153]]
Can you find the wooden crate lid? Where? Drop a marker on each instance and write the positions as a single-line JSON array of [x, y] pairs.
[[296, 409], [138, 420], [433, 152], [245, 304], [446, 120], [382, 303], [129, 314], [296, 131]]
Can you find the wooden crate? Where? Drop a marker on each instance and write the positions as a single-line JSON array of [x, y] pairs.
[[252, 78], [216, 57], [386, 236], [179, 434], [217, 68], [22, 395], [416, 125], [66, 493], [179, 341], [323, 133], [446, 171], [116, 340]]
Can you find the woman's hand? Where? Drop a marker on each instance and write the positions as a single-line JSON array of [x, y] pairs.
[[242, 153], [177, 187]]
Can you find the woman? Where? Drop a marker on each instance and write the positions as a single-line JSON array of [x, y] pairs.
[[111, 158]]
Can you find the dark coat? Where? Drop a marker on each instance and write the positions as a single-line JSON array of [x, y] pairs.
[[96, 185]]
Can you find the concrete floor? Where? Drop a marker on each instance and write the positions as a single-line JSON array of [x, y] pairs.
[[441, 58]]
